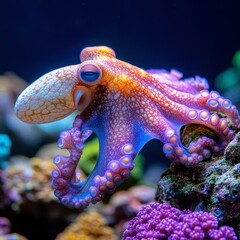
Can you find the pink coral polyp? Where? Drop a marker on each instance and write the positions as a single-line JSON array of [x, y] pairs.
[[162, 221]]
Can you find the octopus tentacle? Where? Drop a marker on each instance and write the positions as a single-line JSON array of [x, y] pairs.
[[204, 145], [196, 151], [202, 99], [66, 181], [173, 80], [170, 133], [173, 147], [65, 178], [198, 83], [172, 102], [212, 101]]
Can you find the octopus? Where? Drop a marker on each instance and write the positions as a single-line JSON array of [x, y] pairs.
[[125, 106]]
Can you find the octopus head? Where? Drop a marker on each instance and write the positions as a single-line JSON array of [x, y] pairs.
[[57, 94]]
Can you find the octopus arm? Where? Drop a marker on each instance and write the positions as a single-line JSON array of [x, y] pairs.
[[174, 80], [118, 148], [191, 92], [165, 119]]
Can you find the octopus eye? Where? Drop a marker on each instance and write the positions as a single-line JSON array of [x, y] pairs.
[[90, 73]]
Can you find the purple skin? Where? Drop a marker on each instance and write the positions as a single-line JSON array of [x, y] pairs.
[[162, 221], [67, 181], [126, 107]]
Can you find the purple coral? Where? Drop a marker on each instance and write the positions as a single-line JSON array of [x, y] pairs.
[[162, 221]]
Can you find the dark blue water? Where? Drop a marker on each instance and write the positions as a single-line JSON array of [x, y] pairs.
[[195, 37]]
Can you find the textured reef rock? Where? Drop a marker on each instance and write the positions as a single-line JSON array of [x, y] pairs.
[[162, 221], [88, 226], [25, 186], [29, 180], [213, 186]]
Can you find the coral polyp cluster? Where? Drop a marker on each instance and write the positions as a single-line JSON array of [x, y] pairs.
[[162, 221]]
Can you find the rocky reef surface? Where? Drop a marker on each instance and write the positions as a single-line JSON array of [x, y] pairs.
[[212, 186]]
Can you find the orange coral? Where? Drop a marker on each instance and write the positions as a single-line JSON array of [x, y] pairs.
[[88, 226]]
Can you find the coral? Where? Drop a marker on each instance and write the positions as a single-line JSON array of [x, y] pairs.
[[162, 221], [41, 178], [30, 180], [88, 226], [5, 146], [26, 189], [213, 186]]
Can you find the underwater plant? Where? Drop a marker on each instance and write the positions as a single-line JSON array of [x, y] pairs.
[[162, 221], [126, 107]]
